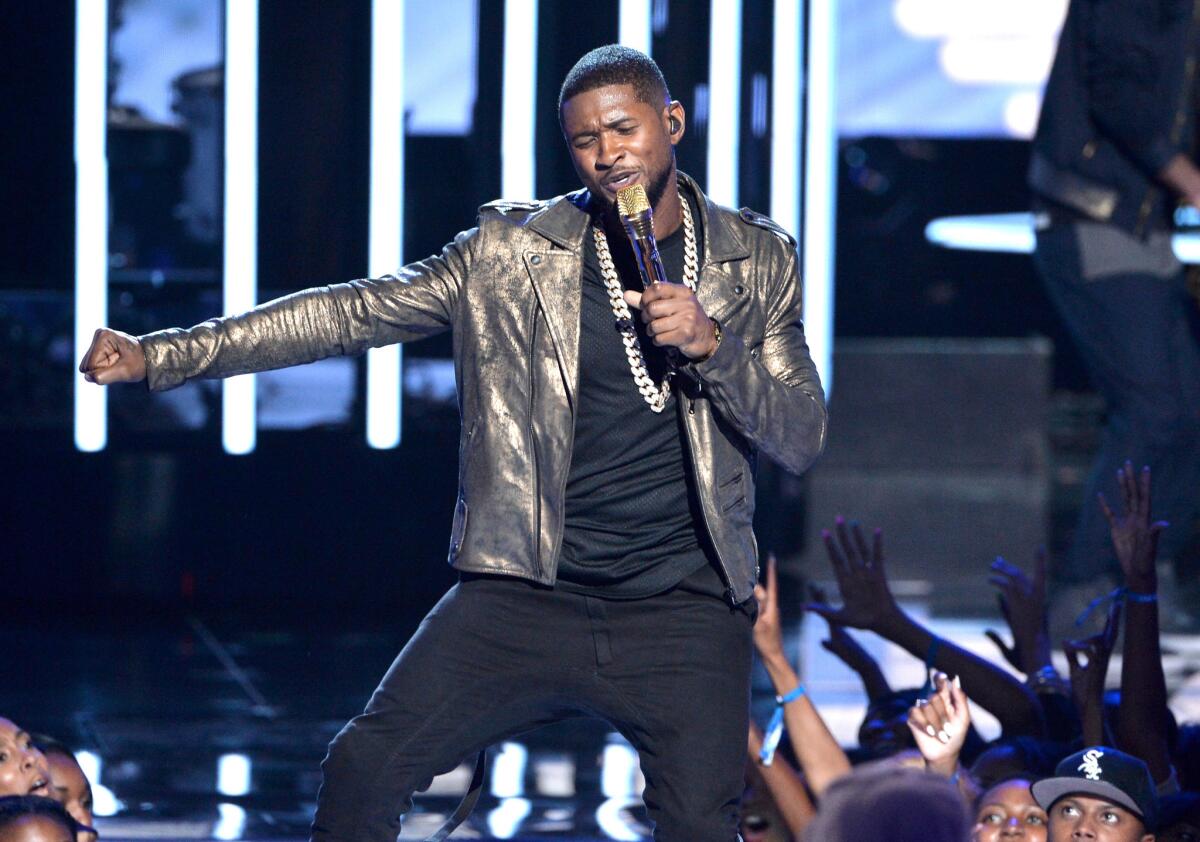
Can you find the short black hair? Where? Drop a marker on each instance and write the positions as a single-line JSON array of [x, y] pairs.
[[613, 64], [13, 808]]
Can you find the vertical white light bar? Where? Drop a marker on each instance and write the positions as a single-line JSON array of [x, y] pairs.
[[517, 108], [725, 107], [820, 185], [386, 224], [241, 206], [91, 211], [633, 24], [787, 54]]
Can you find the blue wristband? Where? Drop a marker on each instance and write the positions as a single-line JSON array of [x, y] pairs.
[[775, 729]]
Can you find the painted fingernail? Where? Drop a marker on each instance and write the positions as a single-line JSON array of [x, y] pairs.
[[949, 730], [957, 682], [929, 730], [943, 736]]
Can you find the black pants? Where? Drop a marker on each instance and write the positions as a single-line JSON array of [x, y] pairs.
[[497, 656], [1139, 336]]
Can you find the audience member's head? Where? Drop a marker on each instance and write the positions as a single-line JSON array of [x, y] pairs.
[[884, 730], [1017, 757], [1007, 811], [69, 784], [32, 818], [759, 819], [22, 766], [1179, 818], [893, 803], [1099, 794]]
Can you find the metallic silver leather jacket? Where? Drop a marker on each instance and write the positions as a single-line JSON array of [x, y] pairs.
[[510, 290]]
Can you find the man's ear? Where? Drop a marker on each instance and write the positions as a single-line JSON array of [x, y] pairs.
[[676, 122]]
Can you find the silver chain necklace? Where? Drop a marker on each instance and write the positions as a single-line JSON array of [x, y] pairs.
[[656, 396]]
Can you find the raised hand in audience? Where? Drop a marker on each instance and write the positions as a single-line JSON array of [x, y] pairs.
[[868, 603], [841, 644], [939, 725], [1142, 722], [1134, 536], [821, 759], [1088, 661], [1023, 603]]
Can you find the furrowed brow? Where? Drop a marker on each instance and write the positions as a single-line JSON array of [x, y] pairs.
[[617, 121]]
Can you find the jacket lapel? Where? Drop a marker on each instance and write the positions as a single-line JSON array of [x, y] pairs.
[[724, 248], [554, 260]]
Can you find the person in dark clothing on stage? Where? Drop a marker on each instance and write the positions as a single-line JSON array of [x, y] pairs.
[[1112, 158], [610, 434]]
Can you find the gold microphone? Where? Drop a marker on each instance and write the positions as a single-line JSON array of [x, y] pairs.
[[633, 206]]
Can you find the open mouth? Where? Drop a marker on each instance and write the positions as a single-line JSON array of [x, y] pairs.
[[620, 180], [41, 786]]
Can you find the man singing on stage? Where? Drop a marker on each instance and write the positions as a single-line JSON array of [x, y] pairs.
[[610, 432]]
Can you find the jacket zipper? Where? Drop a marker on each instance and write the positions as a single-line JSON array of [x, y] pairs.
[[537, 470], [689, 436]]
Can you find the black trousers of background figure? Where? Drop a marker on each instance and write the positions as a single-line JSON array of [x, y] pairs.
[[1139, 336], [499, 656]]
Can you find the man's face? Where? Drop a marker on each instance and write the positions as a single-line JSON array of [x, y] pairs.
[[1082, 817], [617, 140]]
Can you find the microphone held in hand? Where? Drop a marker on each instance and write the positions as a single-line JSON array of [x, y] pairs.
[[633, 206]]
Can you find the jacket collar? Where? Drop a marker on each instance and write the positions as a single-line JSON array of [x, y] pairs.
[[564, 221]]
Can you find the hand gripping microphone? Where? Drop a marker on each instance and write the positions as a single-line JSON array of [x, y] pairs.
[[636, 215]]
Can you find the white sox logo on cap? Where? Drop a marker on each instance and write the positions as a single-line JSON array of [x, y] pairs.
[[1091, 765]]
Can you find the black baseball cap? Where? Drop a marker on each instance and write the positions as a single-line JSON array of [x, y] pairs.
[[1105, 773]]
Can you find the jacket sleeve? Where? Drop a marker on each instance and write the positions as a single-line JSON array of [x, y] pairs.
[[417, 301], [772, 394], [1135, 77]]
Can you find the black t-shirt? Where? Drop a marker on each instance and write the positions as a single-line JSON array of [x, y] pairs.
[[633, 526]]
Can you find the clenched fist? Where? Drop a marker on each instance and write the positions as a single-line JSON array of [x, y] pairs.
[[114, 357]]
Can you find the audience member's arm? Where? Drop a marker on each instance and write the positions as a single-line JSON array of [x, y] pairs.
[[784, 784], [1143, 717], [1088, 674], [821, 759], [868, 604], [1023, 604], [939, 727], [852, 654]]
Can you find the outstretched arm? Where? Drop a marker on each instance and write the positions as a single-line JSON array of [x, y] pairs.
[[786, 787], [821, 759], [417, 301], [1088, 661], [852, 654], [1143, 717], [868, 604], [1022, 601]]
